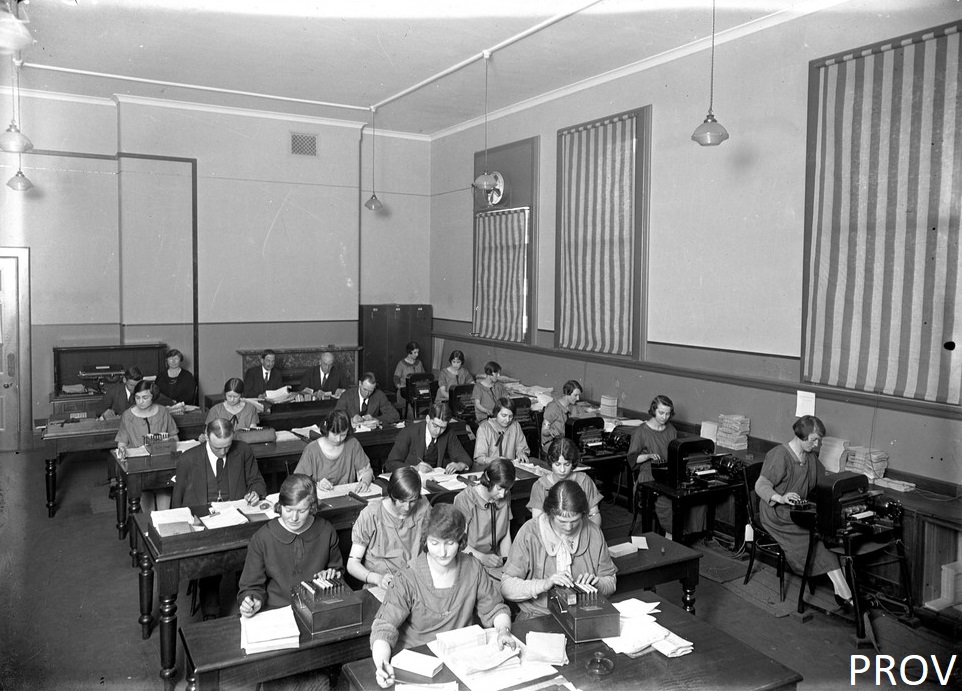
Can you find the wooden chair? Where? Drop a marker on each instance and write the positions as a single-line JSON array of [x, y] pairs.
[[762, 541]]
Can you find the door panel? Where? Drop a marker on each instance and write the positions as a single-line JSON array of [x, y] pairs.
[[10, 385]]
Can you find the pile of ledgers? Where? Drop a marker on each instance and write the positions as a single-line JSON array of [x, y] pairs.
[[834, 453], [870, 462], [733, 431]]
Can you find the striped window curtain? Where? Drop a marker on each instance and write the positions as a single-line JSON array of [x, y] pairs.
[[883, 291], [501, 274], [596, 250]]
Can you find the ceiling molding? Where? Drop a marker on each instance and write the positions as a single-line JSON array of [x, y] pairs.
[[722, 37], [57, 96]]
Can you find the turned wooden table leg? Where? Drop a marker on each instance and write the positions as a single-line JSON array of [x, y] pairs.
[[121, 499], [688, 598], [146, 594], [51, 486], [168, 635], [132, 508]]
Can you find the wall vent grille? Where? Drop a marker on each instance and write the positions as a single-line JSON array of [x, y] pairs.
[[303, 144]]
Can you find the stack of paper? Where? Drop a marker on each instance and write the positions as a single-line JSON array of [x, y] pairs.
[[546, 647], [181, 515], [639, 630], [264, 506], [417, 663], [273, 629], [225, 518], [733, 431], [278, 395], [870, 462], [305, 432], [466, 663], [467, 637], [834, 453], [622, 549], [185, 445], [285, 435]]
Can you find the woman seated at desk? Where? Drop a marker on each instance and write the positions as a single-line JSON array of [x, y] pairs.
[[453, 375], [559, 547], [387, 533], [143, 418], [500, 437], [649, 444], [563, 457], [487, 509], [788, 474], [297, 546], [336, 458], [407, 366], [175, 382], [234, 407], [442, 590], [487, 391]]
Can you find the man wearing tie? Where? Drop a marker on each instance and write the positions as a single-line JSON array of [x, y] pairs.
[[260, 380], [366, 402], [220, 469], [427, 445], [324, 379], [121, 396]]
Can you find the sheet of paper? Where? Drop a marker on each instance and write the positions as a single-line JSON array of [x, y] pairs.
[[272, 629], [709, 430], [639, 541], [510, 674], [171, 516], [284, 435], [137, 451], [635, 607], [276, 395], [256, 403], [622, 549], [305, 432], [417, 663], [804, 403], [185, 445], [225, 518]]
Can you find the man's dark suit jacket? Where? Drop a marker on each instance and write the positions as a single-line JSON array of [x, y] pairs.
[[335, 380], [243, 475], [377, 406], [254, 381], [118, 402], [409, 448]]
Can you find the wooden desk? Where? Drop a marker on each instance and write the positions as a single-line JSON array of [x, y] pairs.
[[134, 475], [682, 498], [213, 655], [663, 561], [61, 437], [286, 416], [718, 660], [175, 565]]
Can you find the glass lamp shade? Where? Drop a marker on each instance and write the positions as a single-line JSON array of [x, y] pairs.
[[486, 181], [710, 132], [14, 34], [14, 141], [19, 182], [373, 204]]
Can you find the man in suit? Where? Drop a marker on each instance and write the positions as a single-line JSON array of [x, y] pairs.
[[324, 379], [427, 445], [121, 396], [220, 469], [366, 402], [259, 380]]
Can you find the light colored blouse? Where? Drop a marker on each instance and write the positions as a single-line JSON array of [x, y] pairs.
[[133, 429]]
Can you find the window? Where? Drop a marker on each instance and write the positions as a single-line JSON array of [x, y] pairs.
[[501, 273], [883, 192], [602, 218]]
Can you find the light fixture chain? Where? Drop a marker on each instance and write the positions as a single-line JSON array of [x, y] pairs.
[[373, 147], [711, 82], [486, 58]]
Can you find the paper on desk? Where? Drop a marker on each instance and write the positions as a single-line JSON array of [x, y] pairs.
[[639, 541], [709, 430], [804, 403], [171, 516], [306, 431], [635, 608], [137, 451], [277, 395], [546, 647], [256, 403], [284, 435], [439, 686], [622, 549], [273, 629], [378, 592], [502, 677], [225, 518], [185, 445], [417, 663], [336, 491], [673, 646]]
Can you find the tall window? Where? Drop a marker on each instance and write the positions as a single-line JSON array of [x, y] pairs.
[[602, 214], [884, 186], [501, 273]]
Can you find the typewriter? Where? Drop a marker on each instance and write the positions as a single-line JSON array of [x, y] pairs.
[[588, 433], [583, 613], [97, 376], [844, 510], [324, 605]]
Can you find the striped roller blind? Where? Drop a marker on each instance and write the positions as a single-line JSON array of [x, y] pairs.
[[883, 291], [596, 236], [501, 274]]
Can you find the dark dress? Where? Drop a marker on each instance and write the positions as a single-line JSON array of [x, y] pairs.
[[180, 389], [784, 472]]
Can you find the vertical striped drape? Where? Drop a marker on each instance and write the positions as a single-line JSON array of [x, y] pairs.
[[501, 274], [883, 291], [596, 222]]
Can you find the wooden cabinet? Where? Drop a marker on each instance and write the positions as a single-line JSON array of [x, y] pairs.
[[77, 404], [385, 330], [69, 361]]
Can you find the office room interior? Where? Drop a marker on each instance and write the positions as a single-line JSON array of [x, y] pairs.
[[158, 209]]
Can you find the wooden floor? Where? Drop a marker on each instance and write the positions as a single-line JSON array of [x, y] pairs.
[[69, 603]]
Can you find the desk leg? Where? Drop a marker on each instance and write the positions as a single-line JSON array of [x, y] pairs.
[[168, 635], [688, 596], [133, 506], [121, 499], [146, 594], [647, 510], [52, 485]]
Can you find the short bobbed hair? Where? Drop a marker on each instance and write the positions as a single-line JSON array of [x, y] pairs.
[[456, 355], [571, 386], [661, 400], [445, 522], [563, 447], [133, 373], [234, 385], [805, 425], [173, 352], [566, 498], [499, 473], [404, 484], [412, 346], [337, 422], [492, 367], [149, 386], [504, 403], [296, 488]]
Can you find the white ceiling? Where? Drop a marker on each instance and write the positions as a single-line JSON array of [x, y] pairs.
[[364, 52]]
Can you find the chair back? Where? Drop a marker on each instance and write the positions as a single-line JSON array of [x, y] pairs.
[[750, 474]]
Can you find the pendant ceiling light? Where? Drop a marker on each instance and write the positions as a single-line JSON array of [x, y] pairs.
[[14, 34], [486, 181], [710, 132], [13, 140], [19, 182], [373, 204]]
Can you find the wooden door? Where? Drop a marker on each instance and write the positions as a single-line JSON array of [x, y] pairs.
[[15, 393]]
